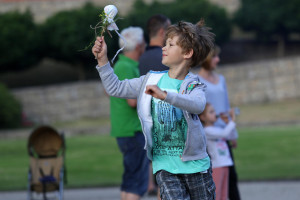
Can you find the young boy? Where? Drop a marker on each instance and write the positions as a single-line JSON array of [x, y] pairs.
[[168, 106]]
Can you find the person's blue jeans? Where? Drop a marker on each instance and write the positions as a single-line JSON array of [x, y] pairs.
[[136, 164], [197, 186]]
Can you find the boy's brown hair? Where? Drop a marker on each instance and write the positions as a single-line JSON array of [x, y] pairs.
[[193, 36]]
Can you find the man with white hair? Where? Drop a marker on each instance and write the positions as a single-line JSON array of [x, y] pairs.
[[125, 124]]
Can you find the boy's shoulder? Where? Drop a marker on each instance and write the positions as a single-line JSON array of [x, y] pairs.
[[194, 77], [194, 80]]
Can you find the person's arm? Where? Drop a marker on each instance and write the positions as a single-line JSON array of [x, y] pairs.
[[156, 92], [132, 102], [113, 86], [193, 102], [234, 135], [226, 99], [216, 132]]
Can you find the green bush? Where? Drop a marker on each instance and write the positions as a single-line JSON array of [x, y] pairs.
[[19, 41], [10, 109], [215, 16], [68, 32]]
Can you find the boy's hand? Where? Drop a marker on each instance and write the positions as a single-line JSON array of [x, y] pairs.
[[156, 92], [100, 51]]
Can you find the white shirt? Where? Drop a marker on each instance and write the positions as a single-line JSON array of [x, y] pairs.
[[216, 144]]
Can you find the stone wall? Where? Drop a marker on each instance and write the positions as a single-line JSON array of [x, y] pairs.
[[64, 102], [263, 81], [248, 83]]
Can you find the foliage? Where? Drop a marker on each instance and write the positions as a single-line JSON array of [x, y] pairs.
[[102, 24], [65, 33], [10, 109], [19, 41], [188, 10], [269, 17], [68, 32]]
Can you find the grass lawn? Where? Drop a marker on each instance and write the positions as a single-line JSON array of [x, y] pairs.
[[264, 153], [268, 153], [91, 160]]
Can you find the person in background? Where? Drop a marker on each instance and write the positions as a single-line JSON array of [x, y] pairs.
[[217, 147], [125, 124], [151, 59], [217, 95]]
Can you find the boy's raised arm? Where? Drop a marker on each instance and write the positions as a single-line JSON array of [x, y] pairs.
[[100, 51]]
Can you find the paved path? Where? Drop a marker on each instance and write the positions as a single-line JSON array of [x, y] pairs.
[[280, 190]]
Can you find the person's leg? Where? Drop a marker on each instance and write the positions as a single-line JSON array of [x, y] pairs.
[[152, 190], [200, 186], [171, 186], [233, 190], [135, 176], [158, 194], [225, 181], [129, 196], [218, 179]]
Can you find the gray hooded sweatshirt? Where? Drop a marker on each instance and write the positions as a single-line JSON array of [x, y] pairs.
[[190, 99]]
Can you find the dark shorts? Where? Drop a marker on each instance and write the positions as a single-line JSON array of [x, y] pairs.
[[197, 186], [136, 164]]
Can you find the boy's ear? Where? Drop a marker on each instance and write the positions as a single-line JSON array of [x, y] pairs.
[[188, 54]]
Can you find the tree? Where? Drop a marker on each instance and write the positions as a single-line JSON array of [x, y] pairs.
[[270, 19], [10, 109], [214, 16], [188, 10], [19, 48], [68, 32]]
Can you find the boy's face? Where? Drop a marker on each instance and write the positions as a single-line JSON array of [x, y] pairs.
[[172, 53]]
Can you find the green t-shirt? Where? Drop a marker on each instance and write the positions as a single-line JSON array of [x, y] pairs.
[[169, 134], [124, 119]]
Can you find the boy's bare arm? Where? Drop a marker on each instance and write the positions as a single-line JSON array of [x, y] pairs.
[[100, 51]]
